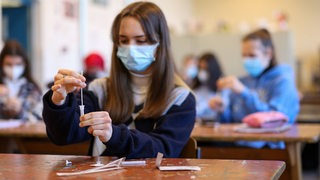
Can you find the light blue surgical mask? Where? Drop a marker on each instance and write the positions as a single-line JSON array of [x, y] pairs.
[[137, 58], [192, 71], [253, 66]]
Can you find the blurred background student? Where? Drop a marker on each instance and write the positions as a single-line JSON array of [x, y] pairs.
[[94, 67], [268, 86], [189, 69], [20, 96], [205, 85]]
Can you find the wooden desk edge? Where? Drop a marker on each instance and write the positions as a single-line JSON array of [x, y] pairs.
[[278, 174], [276, 139]]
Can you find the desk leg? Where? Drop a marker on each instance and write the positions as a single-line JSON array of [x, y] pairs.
[[294, 150], [8, 145], [21, 146]]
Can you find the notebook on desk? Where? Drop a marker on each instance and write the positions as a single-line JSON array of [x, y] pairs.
[[244, 128]]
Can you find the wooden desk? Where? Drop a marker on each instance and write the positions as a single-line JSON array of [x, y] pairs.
[[32, 139], [17, 166], [309, 113], [293, 138]]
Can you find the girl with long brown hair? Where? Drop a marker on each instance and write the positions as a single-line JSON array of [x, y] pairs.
[[143, 107], [20, 96]]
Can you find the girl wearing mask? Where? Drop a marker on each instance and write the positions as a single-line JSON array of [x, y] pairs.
[[143, 108], [20, 96], [205, 87], [267, 87], [189, 69]]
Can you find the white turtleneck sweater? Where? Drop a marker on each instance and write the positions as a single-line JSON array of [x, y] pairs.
[[140, 85]]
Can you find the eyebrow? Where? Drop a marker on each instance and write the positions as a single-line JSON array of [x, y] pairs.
[[139, 36]]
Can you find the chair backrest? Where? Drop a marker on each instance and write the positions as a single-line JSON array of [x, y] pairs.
[[191, 150]]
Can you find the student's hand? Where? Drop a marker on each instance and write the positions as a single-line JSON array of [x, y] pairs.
[[231, 82], [216, 103], [4, 91], [66, 81], [100, 124], [13, 107], [14, 104]]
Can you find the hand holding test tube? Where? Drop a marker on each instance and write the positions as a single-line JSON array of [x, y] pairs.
[[98, 162]]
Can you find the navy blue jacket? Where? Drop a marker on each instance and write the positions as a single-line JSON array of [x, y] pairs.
[[167, 134]]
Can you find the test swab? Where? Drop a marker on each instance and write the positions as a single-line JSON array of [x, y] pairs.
[[81, 106], [98, 163]]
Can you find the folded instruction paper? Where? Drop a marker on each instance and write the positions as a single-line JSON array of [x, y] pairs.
[[174, 168]]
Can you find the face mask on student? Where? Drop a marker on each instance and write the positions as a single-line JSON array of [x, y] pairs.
[[203, 76], [13, 72], [192, 71], [253, 66], [137, 58]]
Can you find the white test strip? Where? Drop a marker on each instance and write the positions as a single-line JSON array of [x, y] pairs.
[[133, 163], [173, 168], [179, 168]]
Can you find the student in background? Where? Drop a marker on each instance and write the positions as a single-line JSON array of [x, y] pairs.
[[93, 67], [20, 96], [267, 87], [205, 85], [143, 107], [189, 69]]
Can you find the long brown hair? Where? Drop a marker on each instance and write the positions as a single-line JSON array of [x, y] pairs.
[[213, 68], [265, 38], [13, 48], [119, 102]]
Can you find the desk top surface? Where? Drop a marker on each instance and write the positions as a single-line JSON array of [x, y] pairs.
[[17, 166], [225, 132], [25, 130]]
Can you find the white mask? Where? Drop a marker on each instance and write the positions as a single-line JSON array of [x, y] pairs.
[[203, 76], [14, 72]]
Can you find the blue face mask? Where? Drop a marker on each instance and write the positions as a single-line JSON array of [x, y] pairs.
[[192, 71], [137, 58], [253, 66]]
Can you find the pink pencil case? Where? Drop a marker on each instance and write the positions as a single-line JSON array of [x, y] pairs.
[[269, 119]]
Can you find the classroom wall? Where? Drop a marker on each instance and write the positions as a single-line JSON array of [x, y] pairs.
[[303, 18], [57, 37]]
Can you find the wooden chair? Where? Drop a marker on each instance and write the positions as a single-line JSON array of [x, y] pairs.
[[191, 150]]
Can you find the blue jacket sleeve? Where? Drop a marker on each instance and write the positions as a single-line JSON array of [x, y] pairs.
[[169, 134], [62, 122], [283, 97]]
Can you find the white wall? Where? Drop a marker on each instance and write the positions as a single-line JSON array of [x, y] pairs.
[[56, 38]]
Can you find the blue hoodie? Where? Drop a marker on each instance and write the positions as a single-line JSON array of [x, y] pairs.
[[274, 90]]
